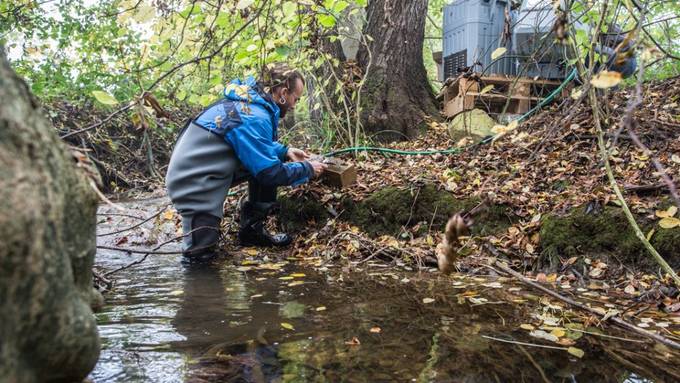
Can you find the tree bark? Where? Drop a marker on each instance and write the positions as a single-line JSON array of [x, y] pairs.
[[47, 247], [397, 99]]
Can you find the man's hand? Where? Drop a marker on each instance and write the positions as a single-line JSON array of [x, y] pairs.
[[319, 167], [296, 155]]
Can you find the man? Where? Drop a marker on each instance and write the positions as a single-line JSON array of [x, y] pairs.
[[232, 141]]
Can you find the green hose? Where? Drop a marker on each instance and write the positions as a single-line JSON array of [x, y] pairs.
[[523, 117]]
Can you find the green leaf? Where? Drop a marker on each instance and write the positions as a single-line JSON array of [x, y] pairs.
[[104, 97], [340, 6], [327, 21]]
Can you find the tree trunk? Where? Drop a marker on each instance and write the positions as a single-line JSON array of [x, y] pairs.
[[47, 247], [397, 98]]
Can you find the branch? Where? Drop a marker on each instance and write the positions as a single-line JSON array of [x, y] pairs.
[[134, 226], [171, 71]]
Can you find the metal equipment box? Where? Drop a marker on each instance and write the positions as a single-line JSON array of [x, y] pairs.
[[472, 31]]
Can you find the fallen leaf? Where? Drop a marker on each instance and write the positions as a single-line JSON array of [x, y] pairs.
[[558, 332], [321, 308], [169, 214], [375, 330], [669, 222], [670, 212], [428, 300], [287, 326], [540, 334], [297, 275], [577, 352], [353, 342], [606, 79], [526, 326]]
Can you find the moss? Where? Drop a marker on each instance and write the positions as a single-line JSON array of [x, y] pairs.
[[300, 213], [667, 243], [390, 209], [600, 232]]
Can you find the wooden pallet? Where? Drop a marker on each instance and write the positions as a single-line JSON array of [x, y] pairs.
[[510, 95]]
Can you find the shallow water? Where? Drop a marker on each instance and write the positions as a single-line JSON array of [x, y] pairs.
[[164, 322]]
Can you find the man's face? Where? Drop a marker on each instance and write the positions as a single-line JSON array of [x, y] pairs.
[[291, 97]]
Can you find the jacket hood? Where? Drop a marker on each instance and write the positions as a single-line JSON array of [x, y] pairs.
[[249, 91]]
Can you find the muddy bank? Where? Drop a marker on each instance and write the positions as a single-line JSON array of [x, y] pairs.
[[592, 230]]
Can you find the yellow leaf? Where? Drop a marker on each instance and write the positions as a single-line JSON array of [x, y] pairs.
[[606, 79], [287, 326], [669, 223], [487, 89], [288, 278], [297, 275], [321, 308], [169, 215], [513, 125], [558, 332], [375, 330], [252, 252], [428, 300], [498, 53], [577, 352], [296, 283], [526, 326]]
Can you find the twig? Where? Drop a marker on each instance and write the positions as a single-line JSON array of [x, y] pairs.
[[536, 365], [134, 226], [154, 251], [524, 343], [618, 321]]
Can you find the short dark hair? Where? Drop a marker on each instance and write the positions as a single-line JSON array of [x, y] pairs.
[[280, 75]]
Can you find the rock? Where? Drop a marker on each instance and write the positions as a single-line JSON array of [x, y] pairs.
[[47, 231], [473, 123]]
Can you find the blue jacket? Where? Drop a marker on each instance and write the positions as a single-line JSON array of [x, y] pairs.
[[247, 119]]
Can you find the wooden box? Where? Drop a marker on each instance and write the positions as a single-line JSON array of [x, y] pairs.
[[339, 173]]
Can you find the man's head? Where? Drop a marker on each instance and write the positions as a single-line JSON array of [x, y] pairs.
[[284, 84]]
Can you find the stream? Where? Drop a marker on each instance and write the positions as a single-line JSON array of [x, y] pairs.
[[265, 318]]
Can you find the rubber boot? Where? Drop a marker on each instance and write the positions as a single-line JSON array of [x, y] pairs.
[[205, 234], [252, 231]]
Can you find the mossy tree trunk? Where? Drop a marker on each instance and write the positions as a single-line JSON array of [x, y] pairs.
[[47, 237], [396, 97]]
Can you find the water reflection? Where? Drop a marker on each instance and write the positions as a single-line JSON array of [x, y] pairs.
[[168, 323]]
